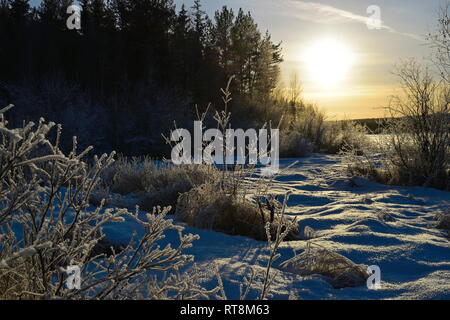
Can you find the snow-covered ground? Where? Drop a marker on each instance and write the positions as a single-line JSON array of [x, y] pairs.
[[369, 223]]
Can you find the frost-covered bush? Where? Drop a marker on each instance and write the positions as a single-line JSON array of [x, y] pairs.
[[443, 220], [341, 271], [81, 116], [310, 132], [150, 183], [46, 226], [208, 207], [294, 145], [303, 131], [414, 148], [340, 135], [419, 141]]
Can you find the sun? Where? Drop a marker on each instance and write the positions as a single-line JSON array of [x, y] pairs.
[[328, 62]]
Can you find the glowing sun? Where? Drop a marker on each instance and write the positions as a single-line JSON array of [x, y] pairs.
[[328, 62]]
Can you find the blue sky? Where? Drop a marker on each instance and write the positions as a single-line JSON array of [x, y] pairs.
[[301, 24]]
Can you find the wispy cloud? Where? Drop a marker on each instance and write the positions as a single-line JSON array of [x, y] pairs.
[[323, 13]]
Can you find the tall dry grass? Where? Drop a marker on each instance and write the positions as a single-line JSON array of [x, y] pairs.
[[150, 183]]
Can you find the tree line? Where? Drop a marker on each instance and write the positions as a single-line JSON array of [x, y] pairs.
[[134, 65]]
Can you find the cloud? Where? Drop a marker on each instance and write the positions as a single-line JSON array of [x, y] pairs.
[[322, 13]]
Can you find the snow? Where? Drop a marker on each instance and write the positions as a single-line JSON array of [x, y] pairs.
[[372, 224]]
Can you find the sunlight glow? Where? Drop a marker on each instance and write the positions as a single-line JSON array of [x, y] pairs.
[[328, 62]]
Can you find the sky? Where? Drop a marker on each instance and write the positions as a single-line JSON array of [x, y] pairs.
[[344, 67], [368, 83]]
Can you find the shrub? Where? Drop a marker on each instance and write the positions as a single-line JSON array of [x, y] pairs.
[[308, 131], [293, 145], [152, 183], [302, 129], [415, 146], [340, 135], [82, 115], [208, 207], [443, 220], [420, 136], [46, 225], [341, 271]]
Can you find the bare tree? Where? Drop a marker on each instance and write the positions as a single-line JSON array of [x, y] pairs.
[[439, 41], [295, 87], [420, 127]]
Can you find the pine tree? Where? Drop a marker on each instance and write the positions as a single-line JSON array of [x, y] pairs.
[[20, 10], [181, 47], [5, 14], [221, 37], [268, 61], [97, 14], [245, 39], [200, 19], [52, 13]]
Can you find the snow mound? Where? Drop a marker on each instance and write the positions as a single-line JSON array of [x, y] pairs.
[[368, 224], [342, 272]]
